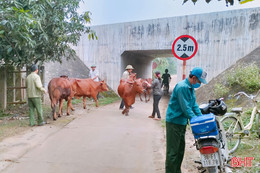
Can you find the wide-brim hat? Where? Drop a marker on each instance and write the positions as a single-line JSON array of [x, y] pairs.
[[200, 74], [129, 67]]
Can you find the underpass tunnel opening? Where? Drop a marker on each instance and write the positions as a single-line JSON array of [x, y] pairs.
[[145, 62]]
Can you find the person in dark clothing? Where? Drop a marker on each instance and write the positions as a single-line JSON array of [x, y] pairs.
[[166, 80], [157, 94], [182, 107]]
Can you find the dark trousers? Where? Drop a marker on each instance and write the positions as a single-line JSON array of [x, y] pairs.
[[156, 99], [167, 86], [122, 104], [175, 146]]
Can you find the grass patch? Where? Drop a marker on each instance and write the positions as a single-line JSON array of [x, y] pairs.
[[163, 123], [103, 100], [13, 127], [247, 77], [243, 78], [220, 90], [249, 147], [108, 100], [3, 114]]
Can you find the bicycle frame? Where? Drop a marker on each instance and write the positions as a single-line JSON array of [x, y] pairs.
[[250, 124], [239, 119], [245, 129], [234, 126]]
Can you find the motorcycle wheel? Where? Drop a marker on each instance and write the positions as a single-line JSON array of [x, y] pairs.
[[231, 125]]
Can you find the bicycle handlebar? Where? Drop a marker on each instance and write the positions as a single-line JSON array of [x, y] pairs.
[[252, 97]]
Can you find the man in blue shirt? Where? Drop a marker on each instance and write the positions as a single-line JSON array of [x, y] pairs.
[[182, 106]]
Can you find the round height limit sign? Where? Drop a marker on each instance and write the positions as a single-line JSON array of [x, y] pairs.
[[184, 47]]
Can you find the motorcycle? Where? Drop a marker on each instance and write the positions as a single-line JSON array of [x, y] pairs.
[[210, 139]]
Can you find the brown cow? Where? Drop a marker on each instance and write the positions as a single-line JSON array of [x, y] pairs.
[[146, 83], [87, 88], [127, 89], [59, 89]]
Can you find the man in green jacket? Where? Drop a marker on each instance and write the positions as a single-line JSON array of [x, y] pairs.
[[181, 108], [34, 94]]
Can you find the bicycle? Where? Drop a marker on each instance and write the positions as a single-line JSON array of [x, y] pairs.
[[233, 124]]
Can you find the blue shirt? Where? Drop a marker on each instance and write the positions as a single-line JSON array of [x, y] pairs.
[[182, 105]]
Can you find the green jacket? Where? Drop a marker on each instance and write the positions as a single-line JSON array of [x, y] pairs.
[[182, 105], [34, 85]]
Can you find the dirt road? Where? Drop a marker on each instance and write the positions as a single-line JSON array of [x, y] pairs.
[[98, 140]]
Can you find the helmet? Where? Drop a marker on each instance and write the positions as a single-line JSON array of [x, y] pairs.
[[129, 67], [219, 108], [204, 108]]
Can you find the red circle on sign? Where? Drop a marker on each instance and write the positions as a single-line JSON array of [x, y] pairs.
[[181, 58]]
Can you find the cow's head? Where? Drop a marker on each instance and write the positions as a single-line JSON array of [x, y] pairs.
[[132, 76], [138, 86], [149, 80], [104, 86]]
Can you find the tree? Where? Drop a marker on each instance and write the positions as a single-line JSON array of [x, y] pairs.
[[228, 2], [34, 31], [169, 63]]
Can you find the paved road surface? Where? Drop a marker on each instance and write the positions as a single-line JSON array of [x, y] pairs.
[[100, 140]]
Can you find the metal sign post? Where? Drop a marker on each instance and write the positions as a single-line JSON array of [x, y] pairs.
[[184, 48], [184, 69]]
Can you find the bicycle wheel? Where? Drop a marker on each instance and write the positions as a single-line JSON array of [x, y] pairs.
[[257, 124], [231, 125]]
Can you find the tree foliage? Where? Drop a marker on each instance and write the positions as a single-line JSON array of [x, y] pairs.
[[228, 2], [34, 31], [166, 63]]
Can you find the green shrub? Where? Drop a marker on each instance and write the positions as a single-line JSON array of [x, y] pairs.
[[247, 77], [3, 114], [220, 90]]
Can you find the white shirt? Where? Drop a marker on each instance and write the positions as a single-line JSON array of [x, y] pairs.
[[93, 74], [125, 75]]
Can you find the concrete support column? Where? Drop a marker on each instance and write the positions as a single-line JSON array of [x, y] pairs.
[[3, 88]]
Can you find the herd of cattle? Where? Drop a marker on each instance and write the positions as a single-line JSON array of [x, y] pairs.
[[64, 88]]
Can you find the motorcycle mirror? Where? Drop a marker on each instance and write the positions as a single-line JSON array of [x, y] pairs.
[[203, 106]]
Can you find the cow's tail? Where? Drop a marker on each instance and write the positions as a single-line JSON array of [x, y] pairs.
[[49, 91]]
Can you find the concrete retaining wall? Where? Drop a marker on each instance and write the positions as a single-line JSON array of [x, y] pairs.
[[223, 38]]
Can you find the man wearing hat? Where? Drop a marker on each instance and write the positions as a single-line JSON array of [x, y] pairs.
[[93, 74], [34, 94], [181, 108], [126, 74]]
